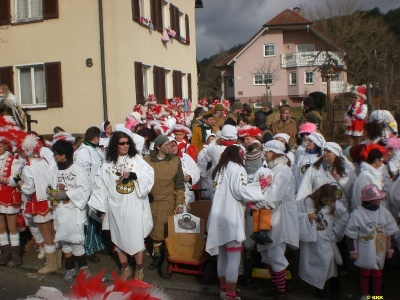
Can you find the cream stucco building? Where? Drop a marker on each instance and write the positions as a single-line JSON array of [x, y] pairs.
[[74, 63]]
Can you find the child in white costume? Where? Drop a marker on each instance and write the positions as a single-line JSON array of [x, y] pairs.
[[72, 194], [370, 236], [322, 222]]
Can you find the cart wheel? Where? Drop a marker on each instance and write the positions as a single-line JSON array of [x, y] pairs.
[[251, 283], [164, 272], [209, 273]]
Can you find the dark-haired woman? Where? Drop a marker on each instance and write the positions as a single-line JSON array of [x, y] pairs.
[[313, 151], [122, 186], [372, 160], [323, 221], [279, 196], [226, 221], [332, 167]]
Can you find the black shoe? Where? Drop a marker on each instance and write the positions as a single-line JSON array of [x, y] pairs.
[[157, 262], [93, 258], [257, 239], [263, 235], [319, 294]]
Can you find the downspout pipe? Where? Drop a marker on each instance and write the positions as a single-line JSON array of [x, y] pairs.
[[102, 62]]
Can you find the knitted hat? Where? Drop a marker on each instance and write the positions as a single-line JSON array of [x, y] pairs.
[[309, 102], [236, 105], [161, 139], [307, 128], [208, 115], [334, 148], [360, 91], [317, 139], [249, 130], [371, 192], [229, 132], [267, 103], [285, 136], [274, 146], [253, 155]]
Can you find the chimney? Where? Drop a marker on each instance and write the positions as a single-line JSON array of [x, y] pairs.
[[297, 10]]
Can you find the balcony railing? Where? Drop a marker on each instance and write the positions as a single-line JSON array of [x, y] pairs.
[[337, 87], [309, 59]]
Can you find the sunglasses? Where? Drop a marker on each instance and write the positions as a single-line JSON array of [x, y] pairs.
[[303, 134], [123, 143]]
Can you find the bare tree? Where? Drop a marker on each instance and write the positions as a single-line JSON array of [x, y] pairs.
[[270, 70]]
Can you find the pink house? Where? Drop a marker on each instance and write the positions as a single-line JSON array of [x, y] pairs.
[[283, 60]]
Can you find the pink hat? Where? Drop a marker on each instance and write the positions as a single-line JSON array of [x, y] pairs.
[[372, 192], [307, 127]]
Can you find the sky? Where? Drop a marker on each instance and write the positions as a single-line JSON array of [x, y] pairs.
[[222, 24]]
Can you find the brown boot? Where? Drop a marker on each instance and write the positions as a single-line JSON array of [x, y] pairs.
[[125, 273], [50, 266], [59, 258], [16, 255], [5, 255]]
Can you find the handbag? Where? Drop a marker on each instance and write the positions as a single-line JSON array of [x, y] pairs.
[[262, 219]]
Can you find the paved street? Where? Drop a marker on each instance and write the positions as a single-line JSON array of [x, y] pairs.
[[23, 281]]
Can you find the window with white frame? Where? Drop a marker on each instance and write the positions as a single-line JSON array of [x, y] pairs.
[[292, 78], [168, 84], [262, 79], [309, 77], [27, 10], [269, 49], [146, 74], [32, 85], [305, 47], [184, 86], [182, 24], [142, 8], [165, 8], [335, 77]]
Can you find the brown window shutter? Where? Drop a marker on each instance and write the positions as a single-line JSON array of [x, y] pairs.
[[50, 9], [161, 80], [6, 77], [178, 29], [52, 74], [156, 83], [187, 29], [159, 25], [139, 83], [5, 12], [189, 81], [177, 83], [135, 10], [171, 16]]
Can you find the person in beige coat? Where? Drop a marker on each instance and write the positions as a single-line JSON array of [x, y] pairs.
[[167, 195]]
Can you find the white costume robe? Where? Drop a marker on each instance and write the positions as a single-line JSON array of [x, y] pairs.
[[211, 153], [72, 214], [304, 162], [368, 175], [91, 159], [280, 197], [127, 207], [314, 178], [363, 222], [317, 261], [189, 167], [226, 220], [206, 181]]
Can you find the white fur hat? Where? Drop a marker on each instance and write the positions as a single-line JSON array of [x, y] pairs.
[[334, 148], [229, 132], [274, 146], [317, 139], [285, 136], [122, 128]]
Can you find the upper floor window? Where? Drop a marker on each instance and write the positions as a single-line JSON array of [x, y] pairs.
[[305, 47], [28, 10], [262, 79], [292, 78], [309, 77], [269, 49]]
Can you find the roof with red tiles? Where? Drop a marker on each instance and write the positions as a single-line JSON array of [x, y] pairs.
[[287, 17]]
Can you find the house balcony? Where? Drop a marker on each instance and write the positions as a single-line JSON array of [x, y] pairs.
[[309, 59], [336, 87]]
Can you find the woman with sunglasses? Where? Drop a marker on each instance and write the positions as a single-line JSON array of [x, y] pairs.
[[355, 116], [304, 131], [120, 197]]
